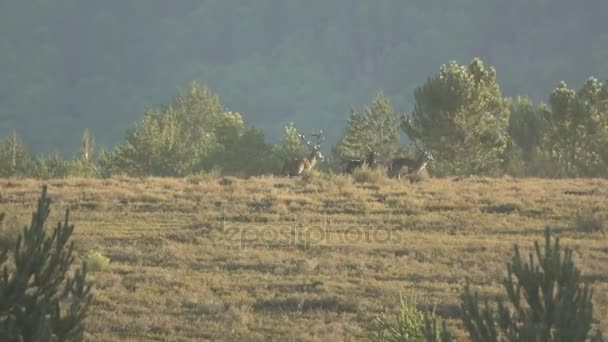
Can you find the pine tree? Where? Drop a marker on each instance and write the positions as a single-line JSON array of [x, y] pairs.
[[576, 129], [462, 118], [15, 160], [84, 164], [375, 130], [39, 300], [547, 301]]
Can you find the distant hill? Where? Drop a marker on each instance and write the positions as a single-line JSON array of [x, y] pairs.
[[66, 65]]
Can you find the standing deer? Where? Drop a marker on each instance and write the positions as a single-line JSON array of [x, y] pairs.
[[349, 166], [413, 166], [295, 167]]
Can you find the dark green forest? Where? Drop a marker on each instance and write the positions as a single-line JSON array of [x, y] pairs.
[[67, 65]]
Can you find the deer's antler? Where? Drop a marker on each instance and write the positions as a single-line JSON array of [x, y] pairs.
[[303, 138], [320, 137]]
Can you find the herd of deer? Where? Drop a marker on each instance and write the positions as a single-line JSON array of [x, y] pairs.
[[396, 168]]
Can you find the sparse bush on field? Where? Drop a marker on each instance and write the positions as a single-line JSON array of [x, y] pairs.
[[204, 176], [96, 261], [364, 174], [308, 176], [418, 177], [591, 222], [39, 299], [547, 302], [409, 324], [342, 181]]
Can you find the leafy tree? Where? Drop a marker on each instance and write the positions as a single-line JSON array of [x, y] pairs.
[[15, 160], [174, 140], [84, 164], [240, 151], [194, 133], [376, 129], [52, 166], [461, 116], [156, 147], [354, 142], [39, 299], [577, 129], [324, 56], [525, 137], [290, 146]]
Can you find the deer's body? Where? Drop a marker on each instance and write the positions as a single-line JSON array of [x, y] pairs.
[[412, 166], [295, 167], [350, 166]]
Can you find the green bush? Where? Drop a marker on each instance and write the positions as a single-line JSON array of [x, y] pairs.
[[409, 324], [96, 261], [40, 299]]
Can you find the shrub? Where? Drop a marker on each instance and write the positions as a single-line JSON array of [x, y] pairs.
[[96, 261], [308, 176], [591, 222], [39, 300], [204, 176], [365, 174], [53, 166], [409, 324], [8, 234]]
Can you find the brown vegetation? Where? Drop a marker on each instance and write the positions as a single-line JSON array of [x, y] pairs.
[[305, 259]]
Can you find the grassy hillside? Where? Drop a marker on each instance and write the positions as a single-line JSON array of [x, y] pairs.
[[312, 260]]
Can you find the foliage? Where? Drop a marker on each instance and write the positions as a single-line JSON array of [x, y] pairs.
[[577, 129], [52, 166], [461, 116], [525, 132], [159, 146], [84, 164], [290, 146], [39, 299], [376, 129], [293, 60], [248, 154], [548, 301], [194, 133], [15, 160], [96, 261], [409, 324]]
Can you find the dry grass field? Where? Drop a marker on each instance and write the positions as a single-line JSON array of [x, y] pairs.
[[312, 259]]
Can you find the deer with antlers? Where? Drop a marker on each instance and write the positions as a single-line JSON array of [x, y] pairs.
[[413, 166], [349, 166], [295, 167]]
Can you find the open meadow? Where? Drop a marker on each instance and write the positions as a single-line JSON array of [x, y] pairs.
[[307, 259]]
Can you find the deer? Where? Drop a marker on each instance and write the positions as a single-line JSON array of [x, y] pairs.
[[295, 167], [349, 166], [413, 166]]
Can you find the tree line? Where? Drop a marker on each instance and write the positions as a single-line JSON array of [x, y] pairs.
[[460, 116], [97, 64]]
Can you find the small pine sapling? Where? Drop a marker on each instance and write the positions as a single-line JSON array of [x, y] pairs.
[[39, 299]]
